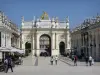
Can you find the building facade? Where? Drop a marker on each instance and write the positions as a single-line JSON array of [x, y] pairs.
[[86, 38], [45, 34], [9, 33]]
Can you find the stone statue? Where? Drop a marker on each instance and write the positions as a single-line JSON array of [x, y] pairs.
[[44, 16], [22, 18], [0, 16], [53, 19], [67, 19], [56, 19]]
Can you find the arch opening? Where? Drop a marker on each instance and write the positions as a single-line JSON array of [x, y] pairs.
[[62, 48], [27, 48], [45, 45]]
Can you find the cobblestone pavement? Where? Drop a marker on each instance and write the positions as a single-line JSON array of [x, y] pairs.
[[44, 68]]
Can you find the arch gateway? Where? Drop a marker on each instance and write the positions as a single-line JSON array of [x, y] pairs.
[[46, 34]]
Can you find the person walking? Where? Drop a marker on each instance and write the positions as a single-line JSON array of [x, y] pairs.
[[20, 60], [5, 64], [90, 60], [36, 61], [51, 60], [75, 60], [56, 59], [9, 64], [87, 60]]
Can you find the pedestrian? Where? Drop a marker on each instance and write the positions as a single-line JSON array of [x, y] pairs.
[[9, 64], [72, 57], [87, 60], [51, 60], [75, 60], [5, 64], [90, 60], [36, 61], [56, 58]]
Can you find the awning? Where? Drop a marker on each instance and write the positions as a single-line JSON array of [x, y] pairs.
[[17, 50], [4, 49], [11, 49], [43, 50], [21, 51]]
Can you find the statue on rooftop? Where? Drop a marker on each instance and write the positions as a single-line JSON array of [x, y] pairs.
[[67, 19], [44, 16]]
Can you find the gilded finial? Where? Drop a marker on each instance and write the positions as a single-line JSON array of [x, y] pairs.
[[44, 16]]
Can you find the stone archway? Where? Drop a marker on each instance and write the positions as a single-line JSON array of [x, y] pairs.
[[45, 45], [27, 48], [62, 48]]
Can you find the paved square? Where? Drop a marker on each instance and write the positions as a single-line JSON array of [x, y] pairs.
[[44, 68]]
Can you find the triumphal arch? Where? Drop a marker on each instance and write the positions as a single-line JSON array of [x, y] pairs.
[[46, 34]]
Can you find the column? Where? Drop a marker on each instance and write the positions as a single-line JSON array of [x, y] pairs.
[[84, 48], [97, 46], [55, 50], [53, 41], [19, 42], [68, 40], [33, 48], [57, 43], [2, 39], [38, 45], [9, 40], [23, 42], [74, 40], [93, 47], [99, 42], [66, 50], [53, 44], [89, 38], [79, 44]]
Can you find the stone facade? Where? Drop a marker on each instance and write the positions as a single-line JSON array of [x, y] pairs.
[[86, 38], [9, 33], [58, 31]]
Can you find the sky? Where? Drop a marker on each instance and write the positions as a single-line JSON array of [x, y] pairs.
[[77, 10]]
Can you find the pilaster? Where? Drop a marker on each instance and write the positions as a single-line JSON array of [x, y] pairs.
[[38, 45], [53, 41], [89, 38], [68, 40], [93, 43], [55, 44], [2, 39], [97, 47], [23, 42]]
